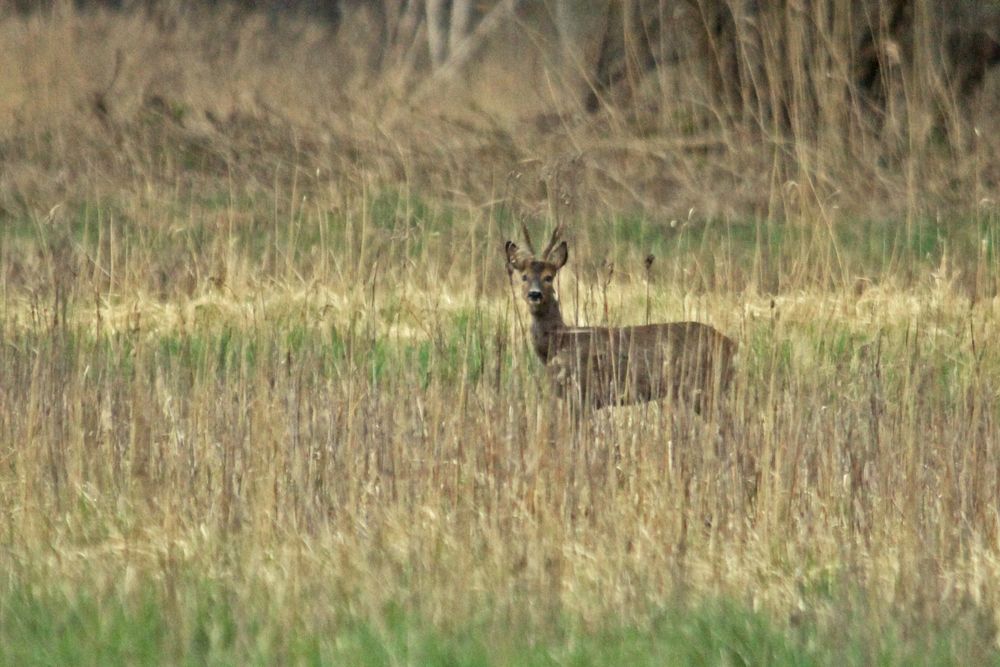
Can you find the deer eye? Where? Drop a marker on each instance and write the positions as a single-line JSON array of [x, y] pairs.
[[548, 279], [524, 277]]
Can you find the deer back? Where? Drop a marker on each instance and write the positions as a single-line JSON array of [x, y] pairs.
[[615, 366]]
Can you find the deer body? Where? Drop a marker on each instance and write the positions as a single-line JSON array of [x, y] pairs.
[[604, 366]]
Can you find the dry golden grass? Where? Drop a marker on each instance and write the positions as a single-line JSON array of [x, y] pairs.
[[251, 337]]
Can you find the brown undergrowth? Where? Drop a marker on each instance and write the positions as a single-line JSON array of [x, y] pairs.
[[252, 332]]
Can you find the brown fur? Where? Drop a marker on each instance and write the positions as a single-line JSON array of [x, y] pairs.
[[603, 366]]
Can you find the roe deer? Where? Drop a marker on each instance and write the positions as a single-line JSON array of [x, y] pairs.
[[604, 366]]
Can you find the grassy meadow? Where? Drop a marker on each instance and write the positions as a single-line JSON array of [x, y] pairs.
[[266, 393]]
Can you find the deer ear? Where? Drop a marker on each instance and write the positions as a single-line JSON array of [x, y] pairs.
[[515, 256], [559, 255]]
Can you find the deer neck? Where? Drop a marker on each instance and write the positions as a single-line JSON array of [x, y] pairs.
[[545, 324]]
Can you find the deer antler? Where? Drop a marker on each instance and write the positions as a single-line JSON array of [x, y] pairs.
[[556, 234], [527, 236]]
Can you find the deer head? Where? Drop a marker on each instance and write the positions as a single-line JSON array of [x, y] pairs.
[[537, 272]]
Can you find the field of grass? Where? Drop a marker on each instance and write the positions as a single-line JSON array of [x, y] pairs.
[[310, 450], [268, 398]]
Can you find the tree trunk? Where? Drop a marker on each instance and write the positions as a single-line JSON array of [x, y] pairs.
[[582, 26], [461, 23], [437, 31]]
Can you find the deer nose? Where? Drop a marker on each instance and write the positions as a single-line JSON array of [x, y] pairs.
[[534, 295]]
